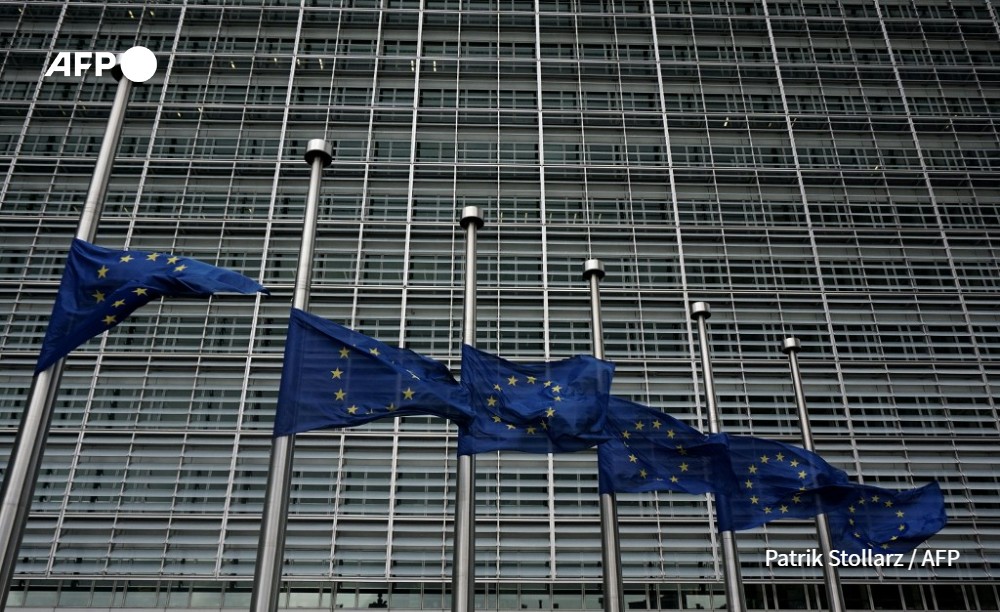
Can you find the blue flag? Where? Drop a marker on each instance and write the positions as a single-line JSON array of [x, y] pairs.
[[771, 480], [756, 481], [649, 450], [774, 480], [336, 377], [883, 520], [101, 287], [547, 407]]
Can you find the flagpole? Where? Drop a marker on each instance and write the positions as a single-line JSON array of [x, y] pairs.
[[835, 596], [611, 557], [700, 312], [463, 567], [271, 542], [26, 456]]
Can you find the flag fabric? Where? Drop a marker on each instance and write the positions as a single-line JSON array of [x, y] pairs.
[[772, 480], [756, 481], [101, 287], [334, 376], [650, 450], [547, 407], [884, 520]]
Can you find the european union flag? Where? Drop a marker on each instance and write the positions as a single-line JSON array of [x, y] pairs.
[[649, 450], [773, 480], [883, 520], [100, 287], [336, 377], [548, 407]]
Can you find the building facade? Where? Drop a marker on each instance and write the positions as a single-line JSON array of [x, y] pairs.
[[823, 169]]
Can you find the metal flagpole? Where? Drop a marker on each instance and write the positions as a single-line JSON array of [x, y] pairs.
[[834, 594], [700, 311], [271, 543], [463, 566], [26, 456], [611, 557]]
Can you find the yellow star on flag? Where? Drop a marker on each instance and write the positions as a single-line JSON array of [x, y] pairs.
[[102, 272], [139, 291], [173, 260], [336, 373], [152, 256], [408, 393], [340, 395], [118, 303], [126, 259], [99, 296], [108, 320]]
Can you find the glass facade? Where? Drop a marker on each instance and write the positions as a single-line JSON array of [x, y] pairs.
[[824, 169]]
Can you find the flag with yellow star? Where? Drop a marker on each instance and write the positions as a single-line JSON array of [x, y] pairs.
[[546, 407], [101, 287], [884, 520], [650, 450], [773, 480], [334, 376]]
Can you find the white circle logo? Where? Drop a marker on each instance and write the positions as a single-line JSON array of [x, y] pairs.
[[138, 64]]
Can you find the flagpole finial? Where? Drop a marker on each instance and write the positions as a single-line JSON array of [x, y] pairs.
[[318, 147], [791, 345], [471, 214], [700, 309], [593, 267]]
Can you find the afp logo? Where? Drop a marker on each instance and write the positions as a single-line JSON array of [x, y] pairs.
[[138, 63]]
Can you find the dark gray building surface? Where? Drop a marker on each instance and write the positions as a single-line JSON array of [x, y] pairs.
[[823, 169]]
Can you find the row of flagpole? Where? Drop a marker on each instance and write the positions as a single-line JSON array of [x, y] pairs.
[[26, 455], [274, 519], [733, 580], [22, 471], [611, 557], [463, 567]]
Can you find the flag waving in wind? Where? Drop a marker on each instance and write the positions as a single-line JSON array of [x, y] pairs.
[[649, 450], [773, 480], [547, 407], [101, 287], [757, 481], [884, 520], [336, 377]]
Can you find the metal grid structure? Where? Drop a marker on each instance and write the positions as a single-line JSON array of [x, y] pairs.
[[823, 169]]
